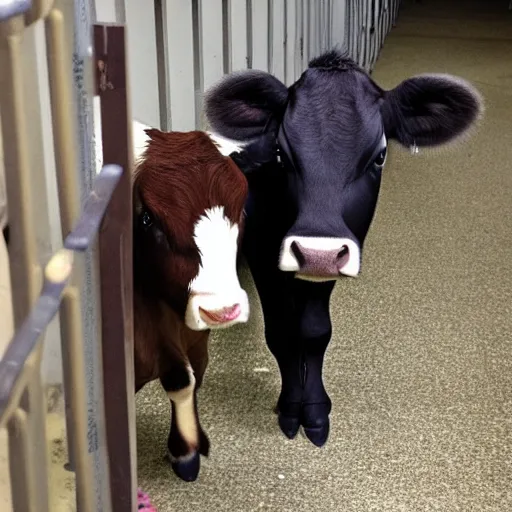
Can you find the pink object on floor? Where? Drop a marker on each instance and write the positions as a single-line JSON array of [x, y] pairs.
[[143, 502]]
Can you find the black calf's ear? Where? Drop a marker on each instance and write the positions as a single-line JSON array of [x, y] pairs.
[[430, 110], [241, 104]]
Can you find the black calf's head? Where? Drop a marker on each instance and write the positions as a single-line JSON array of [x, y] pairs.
[[332, 127]]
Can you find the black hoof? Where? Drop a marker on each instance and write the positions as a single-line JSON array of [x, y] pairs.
[[318, 435], [187, 468], [289, 425]]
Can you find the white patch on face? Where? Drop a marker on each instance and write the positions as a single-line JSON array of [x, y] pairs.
[[183, 401], [226, 146], [216, 298]]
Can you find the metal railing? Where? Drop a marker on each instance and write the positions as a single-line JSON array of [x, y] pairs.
[[39, 294], [22, 398]]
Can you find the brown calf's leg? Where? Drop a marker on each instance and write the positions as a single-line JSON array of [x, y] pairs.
[[186, 439]]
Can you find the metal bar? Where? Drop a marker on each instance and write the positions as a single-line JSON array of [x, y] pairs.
[[141, 45], [291, 41], [79, 16], [57, 273], [276, 45], [63, 120], [23, 477], [115, 248], [340, 22], [305, 33], [238, 34], [211, 41], [260, 30], [175, 51], [65, 161], [81, 239], [313, 29], [36, 426], [25, 340], [299, 39], [22, 400], [22, 245], [14, 8]]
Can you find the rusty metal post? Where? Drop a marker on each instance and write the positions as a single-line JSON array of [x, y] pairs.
[[115, 248]]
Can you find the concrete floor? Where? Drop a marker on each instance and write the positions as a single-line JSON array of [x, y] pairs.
[[420, 365]]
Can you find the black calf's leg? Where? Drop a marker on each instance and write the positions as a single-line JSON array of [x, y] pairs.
[[186, 441], [300, 355], [296, 315], [315, 330], [297, 332]]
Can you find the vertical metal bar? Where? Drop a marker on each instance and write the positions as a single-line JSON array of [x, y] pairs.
[[362, 34], [35, 408], [175, 50], [270, 35], [340, 22], [115, 244], [198, 64], [291, 41], [22, 247], [71, 331], [276, 61], [249, 34], [226, 36], [81, 15], [28, 463], [210, 15], [313, 29], [299, 39], [70, 316], [23, 477], [305, 33], [238, 34], [141, 46], [260, 30]]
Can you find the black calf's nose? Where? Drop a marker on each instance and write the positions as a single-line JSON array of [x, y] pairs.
[[320, 262]]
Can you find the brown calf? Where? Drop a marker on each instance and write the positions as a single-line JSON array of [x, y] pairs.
[[188, 213]]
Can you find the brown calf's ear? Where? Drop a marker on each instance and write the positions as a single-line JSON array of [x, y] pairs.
[[430, 110], [241, 104]]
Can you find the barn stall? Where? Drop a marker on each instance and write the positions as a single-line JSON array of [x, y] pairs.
[[380, 452]]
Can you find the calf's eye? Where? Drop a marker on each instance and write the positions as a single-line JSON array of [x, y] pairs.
[[381, 159], [146, 219]]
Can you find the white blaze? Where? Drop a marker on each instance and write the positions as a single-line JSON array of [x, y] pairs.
[[216, 286]]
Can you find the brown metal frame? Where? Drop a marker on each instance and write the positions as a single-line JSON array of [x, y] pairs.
[[115, 245]]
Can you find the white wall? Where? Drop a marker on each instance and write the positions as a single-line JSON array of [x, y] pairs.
[[178, 48]]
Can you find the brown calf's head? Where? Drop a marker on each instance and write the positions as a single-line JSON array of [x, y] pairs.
[[188, 206]]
